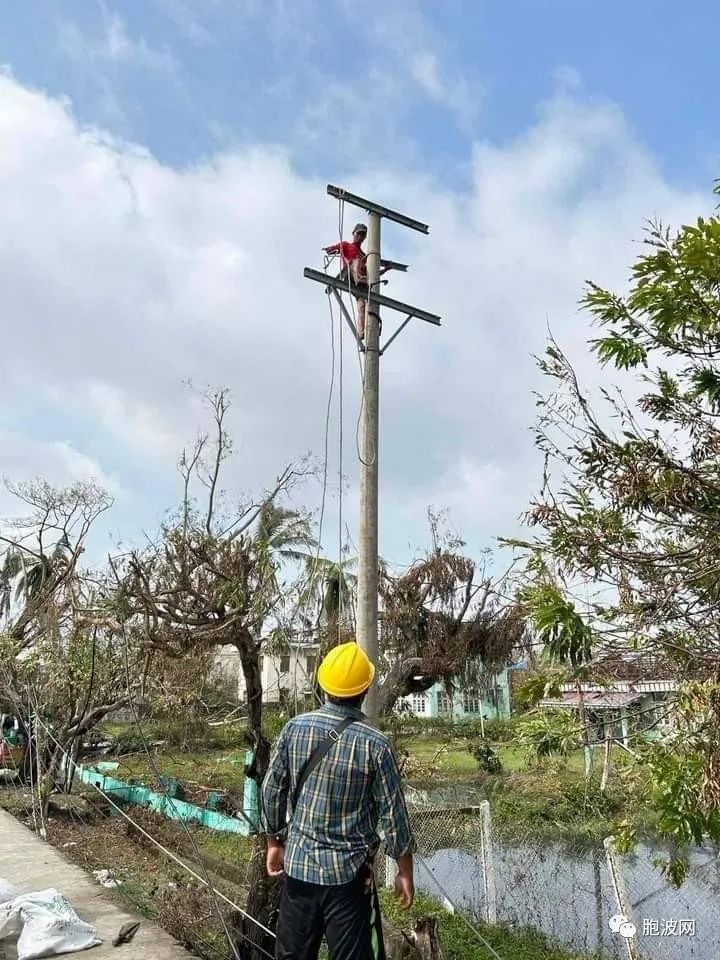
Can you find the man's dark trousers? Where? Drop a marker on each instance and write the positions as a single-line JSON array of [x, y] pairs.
[[347, 915]]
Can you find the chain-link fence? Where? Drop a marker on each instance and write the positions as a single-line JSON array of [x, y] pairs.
[[443, 835], [569, 890], [671, 923]]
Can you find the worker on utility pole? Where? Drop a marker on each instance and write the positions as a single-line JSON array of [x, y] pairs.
[[354, 260], [332, 783]]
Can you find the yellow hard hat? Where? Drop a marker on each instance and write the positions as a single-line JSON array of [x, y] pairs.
[[346, 671]]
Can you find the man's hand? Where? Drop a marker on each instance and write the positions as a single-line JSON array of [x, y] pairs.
[[404, 884], [404, 890], [275, 860]]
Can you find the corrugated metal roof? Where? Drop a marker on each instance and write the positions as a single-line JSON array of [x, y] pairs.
[[605, 700]]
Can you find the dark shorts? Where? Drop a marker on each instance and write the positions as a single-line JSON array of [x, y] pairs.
[[347, 915]]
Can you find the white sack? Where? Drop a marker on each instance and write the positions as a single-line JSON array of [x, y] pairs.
[[50, 926]]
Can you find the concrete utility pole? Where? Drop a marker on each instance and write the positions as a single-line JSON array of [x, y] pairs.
[[367, 617], [368, 560]]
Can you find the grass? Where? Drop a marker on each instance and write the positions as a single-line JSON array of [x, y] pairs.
[[436, 755], [550, 800], [443, 757], [225, 846], [461, 942], [210, 770]]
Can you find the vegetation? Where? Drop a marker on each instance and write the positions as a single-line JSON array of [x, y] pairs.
[[462, 942], [629, 505], [628, 510], [442, 621], [549, 733]]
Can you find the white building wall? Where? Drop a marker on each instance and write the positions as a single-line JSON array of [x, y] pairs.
[[291, 672]]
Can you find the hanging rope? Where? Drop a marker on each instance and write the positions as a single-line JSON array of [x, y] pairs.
[[341, 220], [340, 578]]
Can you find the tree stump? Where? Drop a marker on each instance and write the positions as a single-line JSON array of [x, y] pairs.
[[422, 943]]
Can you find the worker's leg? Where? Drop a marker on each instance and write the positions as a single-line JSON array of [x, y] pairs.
[[361, 305], [349, 914], [300, 921], [359, 277]]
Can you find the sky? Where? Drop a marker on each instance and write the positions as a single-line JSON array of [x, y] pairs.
[[163, 172]]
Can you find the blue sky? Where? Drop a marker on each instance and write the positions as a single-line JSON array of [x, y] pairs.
[[187, 77], [162, 174]]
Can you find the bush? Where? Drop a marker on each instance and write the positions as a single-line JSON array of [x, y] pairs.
[[486, 757], [400, 726], [501, 731], [549, 733]]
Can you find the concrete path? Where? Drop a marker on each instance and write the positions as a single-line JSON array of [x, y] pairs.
[[30, 864]]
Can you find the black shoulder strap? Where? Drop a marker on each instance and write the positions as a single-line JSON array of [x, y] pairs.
[[333, 735]]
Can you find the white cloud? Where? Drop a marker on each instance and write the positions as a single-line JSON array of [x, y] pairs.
[[424, 68], [453, 92], [123, 276], [406, 36], [26, 457], [186, 19], [114, 46]]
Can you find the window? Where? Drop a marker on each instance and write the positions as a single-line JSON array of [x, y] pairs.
[[285, 664], [310, 665], [443, 703], [471, 701], [419, 703], [495, 696]]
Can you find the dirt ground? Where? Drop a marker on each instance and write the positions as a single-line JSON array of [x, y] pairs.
[[88, 833]]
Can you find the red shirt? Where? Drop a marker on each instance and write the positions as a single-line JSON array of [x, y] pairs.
[[348, 251]]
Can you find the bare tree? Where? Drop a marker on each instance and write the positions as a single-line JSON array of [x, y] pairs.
[[215, 577], [58, 655]]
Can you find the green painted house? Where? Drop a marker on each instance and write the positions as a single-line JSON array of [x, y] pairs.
[[491, 701], [621, 709]]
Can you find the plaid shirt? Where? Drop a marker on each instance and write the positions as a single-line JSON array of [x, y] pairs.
[[354, 791]]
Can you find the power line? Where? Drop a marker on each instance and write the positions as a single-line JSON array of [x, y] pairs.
[[206, 882], [155, 770]]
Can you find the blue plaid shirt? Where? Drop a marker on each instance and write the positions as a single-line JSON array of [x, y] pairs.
[[353, 792]]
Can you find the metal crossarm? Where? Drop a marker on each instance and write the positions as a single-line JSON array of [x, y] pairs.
[[371, 207], [394, 265], [399, 330], [376, 298]]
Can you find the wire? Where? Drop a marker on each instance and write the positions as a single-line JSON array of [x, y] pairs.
[[312, 572], [341, 221], [153, 765], [206, 882], [340, 579], [458, 913]]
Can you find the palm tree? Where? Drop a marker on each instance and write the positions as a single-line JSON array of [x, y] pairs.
[[330, 593], [24, 574], [282, 532]]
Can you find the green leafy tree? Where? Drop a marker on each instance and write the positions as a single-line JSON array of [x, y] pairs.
[[630, 500]]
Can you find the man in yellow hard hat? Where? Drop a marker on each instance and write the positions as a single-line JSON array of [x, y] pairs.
[[332, 785]]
